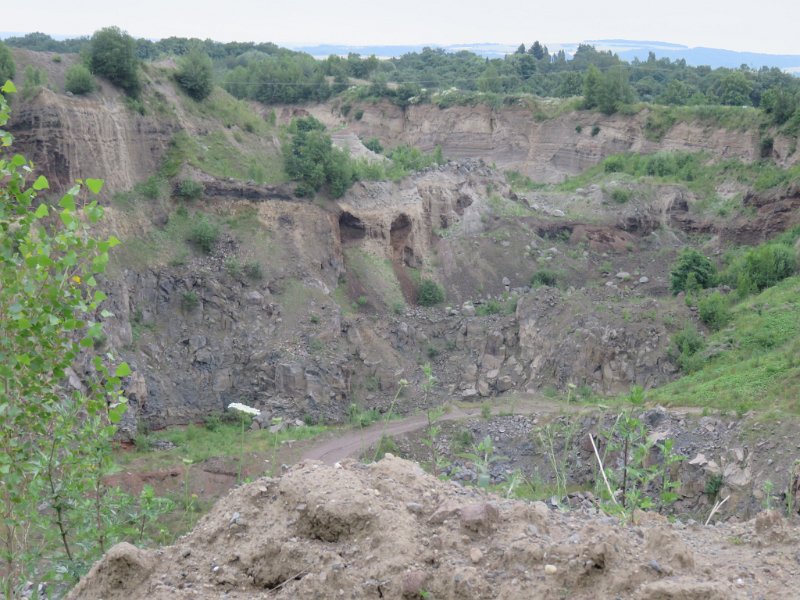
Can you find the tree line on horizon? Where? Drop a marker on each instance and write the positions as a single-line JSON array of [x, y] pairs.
[[270, 74]]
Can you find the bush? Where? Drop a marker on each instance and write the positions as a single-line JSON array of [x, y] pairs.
[[430, 293], [7, 67], [195, 74], [621, 195], [189, 301], [374, 144], [205, 234], [311, 159], [544, 277], [112, 54], [79, 80], [713, 311], [35, 79], [761, 267], [686, 346], [189, 189], [692, 269], [492, 307], [252, 270]]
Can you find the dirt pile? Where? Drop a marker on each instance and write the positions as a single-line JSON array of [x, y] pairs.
[[388, 530]]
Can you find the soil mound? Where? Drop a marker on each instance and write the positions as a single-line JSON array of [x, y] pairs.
[[389, 530]]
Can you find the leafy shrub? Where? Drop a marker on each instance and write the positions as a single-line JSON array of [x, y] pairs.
[[35, 79], [760, 268], [311, 159], [430, 293], [204, 234], [686, 347], [374, 144], [189, 189], [621, 195], [252, 269], [195, 74], [152, 188], [189, 300], [690, 270], [79, 80], [410, 158], [713, 311], [492, 307], [112, 54], [544, 277], [595, 130]]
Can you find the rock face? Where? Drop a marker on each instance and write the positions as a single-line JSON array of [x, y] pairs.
[[544, 150], [390, 530], [561, 344], [71, 138]]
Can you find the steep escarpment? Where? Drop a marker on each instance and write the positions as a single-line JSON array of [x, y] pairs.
[[71, 138], [545, 149], [303, 307]]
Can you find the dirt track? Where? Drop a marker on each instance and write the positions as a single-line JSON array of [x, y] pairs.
[[351, 443]]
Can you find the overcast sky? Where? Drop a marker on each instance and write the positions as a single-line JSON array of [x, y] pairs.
[[765, 26]]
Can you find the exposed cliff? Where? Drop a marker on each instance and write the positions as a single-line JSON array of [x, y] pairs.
[[303, 307], [512, 137]]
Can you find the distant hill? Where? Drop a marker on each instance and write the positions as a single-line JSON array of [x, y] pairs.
[[626, 49]]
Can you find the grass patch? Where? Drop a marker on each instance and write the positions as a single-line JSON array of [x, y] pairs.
[[197, 444], [503, 207], [695, 170], [753, 363], [375, 274]]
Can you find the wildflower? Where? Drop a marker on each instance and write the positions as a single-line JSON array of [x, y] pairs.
[[243, 408]]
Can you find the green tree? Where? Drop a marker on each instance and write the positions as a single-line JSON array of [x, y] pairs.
[[79, 80], [592, 87], [195, 74], [7, 67], [780, 104], [311, 159], [734, 89], [54, 438], [489, 80], [614, 91], [691, 267], [112, 54]]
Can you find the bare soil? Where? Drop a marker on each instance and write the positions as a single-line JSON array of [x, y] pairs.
[[389, 530]]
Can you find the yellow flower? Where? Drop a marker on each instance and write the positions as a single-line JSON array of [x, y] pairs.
[[76, 279]]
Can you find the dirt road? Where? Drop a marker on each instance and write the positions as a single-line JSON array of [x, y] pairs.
[[353, 442]]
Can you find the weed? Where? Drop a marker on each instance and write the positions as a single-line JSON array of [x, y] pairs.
[[544, 277], [385, 445], [189, 301], [204, 234]]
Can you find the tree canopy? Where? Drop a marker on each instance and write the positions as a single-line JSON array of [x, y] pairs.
[[112, 54]]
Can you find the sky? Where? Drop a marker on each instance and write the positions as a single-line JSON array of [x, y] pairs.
[[769, 26]]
